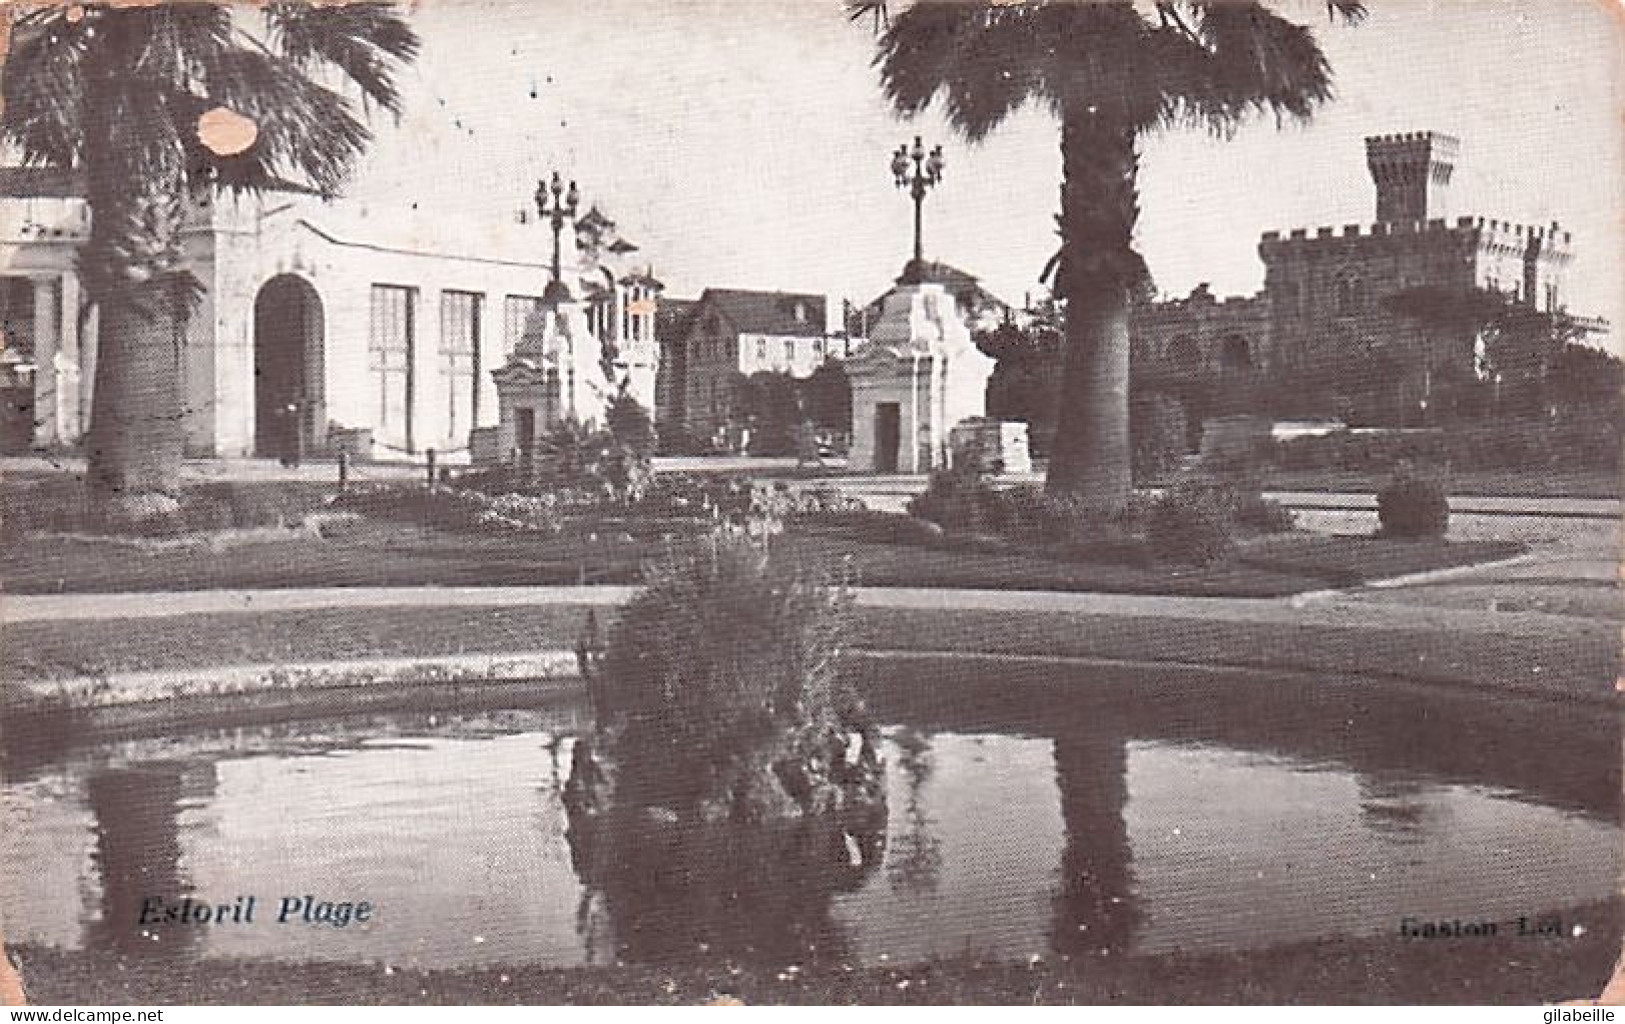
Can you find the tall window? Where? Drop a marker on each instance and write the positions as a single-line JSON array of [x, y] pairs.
[[516, 311], [460, 360], [389, 360], [1290, 298], [1350, 295]]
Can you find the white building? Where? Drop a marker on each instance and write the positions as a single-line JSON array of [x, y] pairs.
[[317, 317]]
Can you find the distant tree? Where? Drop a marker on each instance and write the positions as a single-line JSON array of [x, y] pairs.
[[1449, 319], [1024, 385], [769, 403], [1519, 350], [1581, 377], [827, 397], [629, 422], [1111, 73]]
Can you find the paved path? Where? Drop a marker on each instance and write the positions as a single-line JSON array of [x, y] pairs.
[[1328, 610], [891, 493]]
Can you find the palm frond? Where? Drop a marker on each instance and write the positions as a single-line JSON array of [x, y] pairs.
[[42, 81], [1099, 57], [979, 57], [1350, 12], [163, 44], [1219, 61], [367, 42], [305, 131], [856, 10]]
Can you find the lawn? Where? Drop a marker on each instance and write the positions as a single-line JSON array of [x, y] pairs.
[[1579, 659], [1476, 483], [369, 553]]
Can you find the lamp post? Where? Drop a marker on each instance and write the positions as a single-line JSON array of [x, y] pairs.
[[926, 172], [562, 208]]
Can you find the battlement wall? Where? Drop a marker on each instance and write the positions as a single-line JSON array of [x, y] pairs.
[[1413, 144], [1485, 232]]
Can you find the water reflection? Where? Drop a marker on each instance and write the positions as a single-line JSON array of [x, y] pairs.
[[916, 854], [1095, 910], [138, 851], [1032, 811], [718, 891]]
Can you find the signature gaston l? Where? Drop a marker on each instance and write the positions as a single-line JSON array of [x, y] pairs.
[[290, 910], [1545, 927]]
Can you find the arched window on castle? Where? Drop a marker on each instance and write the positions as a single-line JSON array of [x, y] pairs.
[[1234, 353]]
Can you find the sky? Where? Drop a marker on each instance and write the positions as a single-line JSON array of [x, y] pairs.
[[745, 143]]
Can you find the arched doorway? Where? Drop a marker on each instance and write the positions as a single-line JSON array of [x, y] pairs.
[[290, 390], [1235, 354]]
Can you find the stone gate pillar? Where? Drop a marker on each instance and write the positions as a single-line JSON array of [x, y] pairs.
[[554, 374], [917, 377]]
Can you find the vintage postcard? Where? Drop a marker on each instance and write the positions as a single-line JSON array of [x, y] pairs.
[[685, 501]]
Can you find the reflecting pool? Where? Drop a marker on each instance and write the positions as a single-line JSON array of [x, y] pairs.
[[1033, 810]]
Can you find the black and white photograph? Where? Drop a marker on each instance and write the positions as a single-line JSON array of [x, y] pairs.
[[765, 502]]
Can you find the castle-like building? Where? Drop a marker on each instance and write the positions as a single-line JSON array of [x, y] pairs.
[[1327, 300]]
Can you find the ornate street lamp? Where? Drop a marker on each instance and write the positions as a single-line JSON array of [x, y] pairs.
[[561, 209], [926, 172]]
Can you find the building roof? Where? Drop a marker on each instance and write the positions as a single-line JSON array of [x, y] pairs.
[[56, 183], [751, 312], [41, 183], [965, 287]]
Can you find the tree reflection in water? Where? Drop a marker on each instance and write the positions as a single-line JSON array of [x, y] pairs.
[[1096, 909], [670, 892], [916, 857], [138, 854]]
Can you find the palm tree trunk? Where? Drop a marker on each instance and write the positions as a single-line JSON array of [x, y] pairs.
[[132, 271], [135, 441], [1098, 269]]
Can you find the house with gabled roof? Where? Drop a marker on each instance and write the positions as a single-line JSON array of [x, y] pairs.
[[729, 334]]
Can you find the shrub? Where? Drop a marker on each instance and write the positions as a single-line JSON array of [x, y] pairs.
[[1237, 447], [1412, 505], [579, 466], [454, 509], [629, 424], [1262, 514], [1157, 429], [716, 679], [957, 499], [61, 505], [1190, 524], [1362, 452]]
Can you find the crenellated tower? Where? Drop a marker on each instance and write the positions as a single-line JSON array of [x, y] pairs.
[[1412, 173]]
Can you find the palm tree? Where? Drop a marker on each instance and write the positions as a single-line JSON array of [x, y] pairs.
[[116, 94], [1111, 71]]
